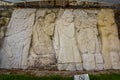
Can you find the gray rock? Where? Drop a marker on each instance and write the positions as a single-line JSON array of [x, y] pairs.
[[15, 49]]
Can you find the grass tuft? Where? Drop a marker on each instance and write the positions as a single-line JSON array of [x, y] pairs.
[[57, 77]]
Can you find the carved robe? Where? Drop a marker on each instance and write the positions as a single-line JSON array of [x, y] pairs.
[[65, 43]]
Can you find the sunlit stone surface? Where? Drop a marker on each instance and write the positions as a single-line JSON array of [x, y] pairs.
[[65, 44], [42, 51], [15, 48], [109, 37], [66, 39]]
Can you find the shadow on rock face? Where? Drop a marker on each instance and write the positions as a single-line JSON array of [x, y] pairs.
[[117, 18], [4, 20]]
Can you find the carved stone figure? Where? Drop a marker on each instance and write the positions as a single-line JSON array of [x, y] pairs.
[[15, 48], [88, 39], [42, 52], [67, 53], [110, 41]]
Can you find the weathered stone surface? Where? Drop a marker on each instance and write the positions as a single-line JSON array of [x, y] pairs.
[[99, 59], [99, 66], [3, 23], [115, 59], [109, 36], [99, 62], [5, 13], [64, 41], [87, 32], [66, 38], [4, 20], [16, 45], [87, 36], [70, 66], [42, 51], [88, 61], [40, 13]]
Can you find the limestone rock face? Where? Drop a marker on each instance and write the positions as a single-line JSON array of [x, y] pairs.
[[42, 51], [16, 45], [86, 24], [67, 52], [109, 36], [69, 39], [4, 20], [87, 37], [88, 61], [3, 23]]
